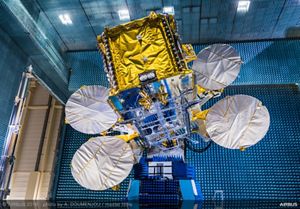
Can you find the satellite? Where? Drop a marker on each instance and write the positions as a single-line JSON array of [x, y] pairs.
[[155, 107]]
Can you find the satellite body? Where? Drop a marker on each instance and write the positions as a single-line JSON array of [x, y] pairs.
[[150, 80], [141, 51]]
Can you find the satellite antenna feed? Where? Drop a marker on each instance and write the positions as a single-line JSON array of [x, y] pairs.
[[88, 111]]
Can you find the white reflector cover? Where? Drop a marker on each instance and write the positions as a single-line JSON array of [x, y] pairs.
[[88, 111], [217, 66], [237, 121], [102, 162]]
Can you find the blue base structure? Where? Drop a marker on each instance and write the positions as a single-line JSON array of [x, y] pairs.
[[170, 183]]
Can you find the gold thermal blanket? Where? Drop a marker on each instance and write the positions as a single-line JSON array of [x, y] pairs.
[[138, 47]]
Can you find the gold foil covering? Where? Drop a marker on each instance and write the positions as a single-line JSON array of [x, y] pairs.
[[145, 101], [162, 95], [188, 52], [141, 46]]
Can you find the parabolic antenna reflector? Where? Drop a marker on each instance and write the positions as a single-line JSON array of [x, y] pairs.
[[102, 162], [217, 66], [88, 111], [238, 121]]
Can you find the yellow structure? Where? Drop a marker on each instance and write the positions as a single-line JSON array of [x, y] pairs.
[[188, 53], [128, 137], [198, 114], [146, 49]]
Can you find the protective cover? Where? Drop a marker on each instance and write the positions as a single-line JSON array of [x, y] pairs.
[[238, 121], [139, 47], [88, 111], [102, 162], [217, 66]]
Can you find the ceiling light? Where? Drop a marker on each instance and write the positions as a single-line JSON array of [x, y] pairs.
[[169, 10], [243, 6], [65, 19], [124, 14]]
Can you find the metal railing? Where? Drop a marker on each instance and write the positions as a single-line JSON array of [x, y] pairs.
[[11, 138]]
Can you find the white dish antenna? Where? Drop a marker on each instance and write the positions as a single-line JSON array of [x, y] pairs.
[[88, 111], [102, 162], [217, 66], [237, 122]]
